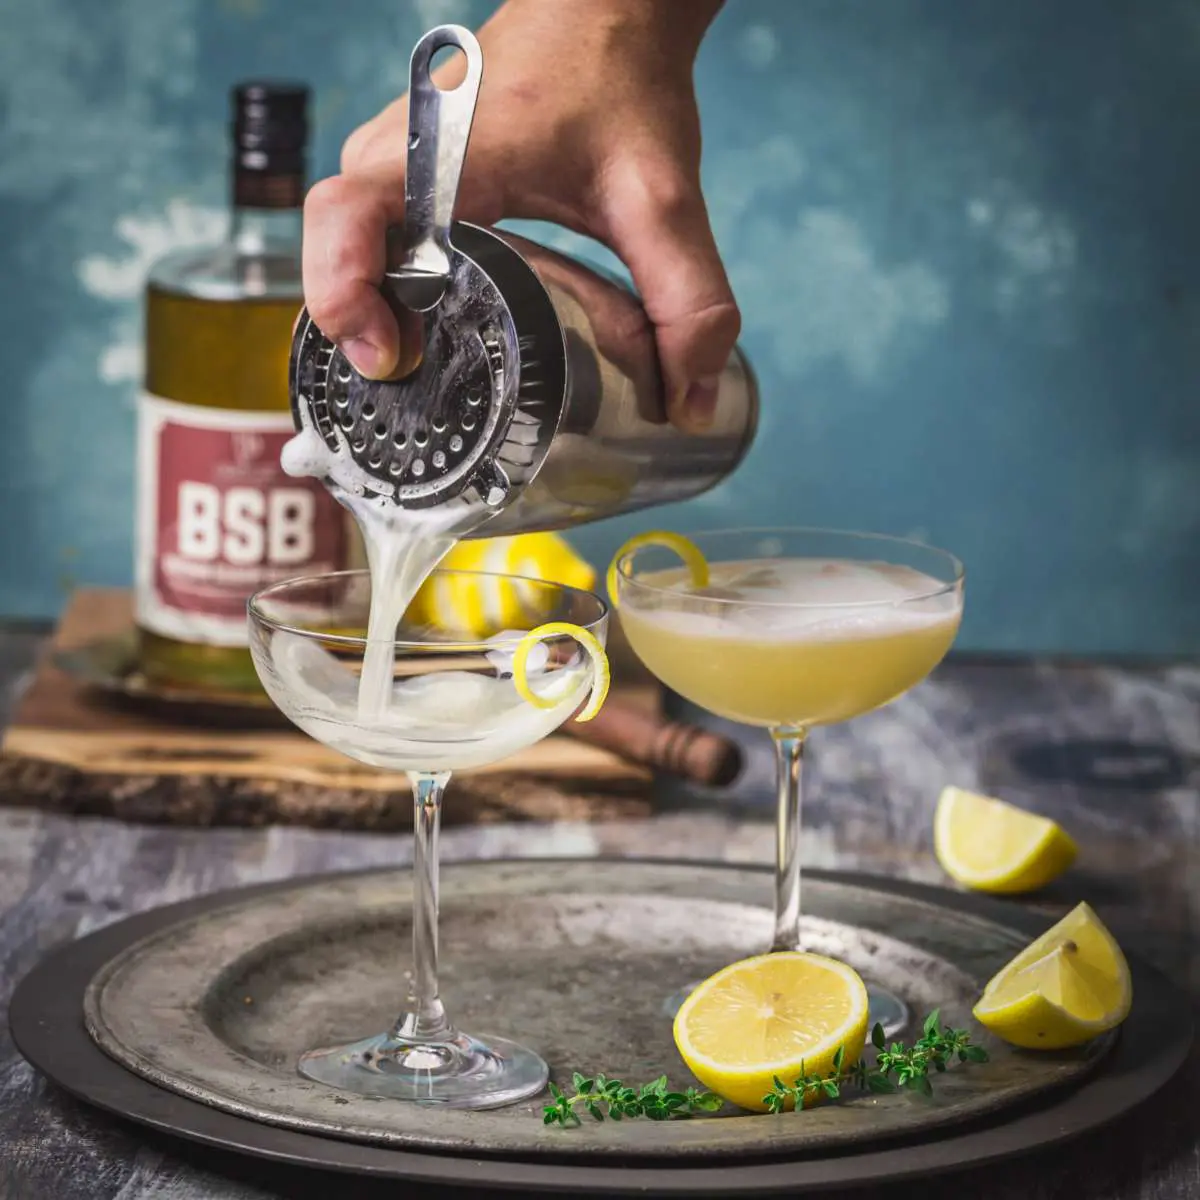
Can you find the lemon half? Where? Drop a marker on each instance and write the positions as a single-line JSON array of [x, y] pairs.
[[992, 846], [1070, 985], [687, 550], [601, 673], [784, 1014]]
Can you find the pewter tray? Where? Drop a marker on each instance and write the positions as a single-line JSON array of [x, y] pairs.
[[574, 959]]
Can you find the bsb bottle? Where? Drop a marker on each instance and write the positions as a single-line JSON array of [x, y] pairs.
[[216, 516]]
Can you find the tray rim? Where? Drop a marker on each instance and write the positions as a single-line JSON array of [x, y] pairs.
[[46, 1023]]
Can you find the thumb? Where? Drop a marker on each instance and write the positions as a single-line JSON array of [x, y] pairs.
[[659, 227]]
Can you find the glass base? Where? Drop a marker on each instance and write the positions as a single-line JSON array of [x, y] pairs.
[[884, 1008], [459, 1072]]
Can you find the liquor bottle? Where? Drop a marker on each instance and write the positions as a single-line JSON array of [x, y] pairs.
[[216, 516]]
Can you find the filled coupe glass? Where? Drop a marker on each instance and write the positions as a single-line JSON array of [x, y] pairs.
[[790, 629], [449, 701]]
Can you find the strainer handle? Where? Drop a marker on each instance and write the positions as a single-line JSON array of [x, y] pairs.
[[439, 127]]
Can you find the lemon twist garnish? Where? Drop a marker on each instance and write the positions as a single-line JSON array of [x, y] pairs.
[[687, 550], [591, 647]]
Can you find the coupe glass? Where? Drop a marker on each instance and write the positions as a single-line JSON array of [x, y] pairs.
[[796, 628], [452, 705]]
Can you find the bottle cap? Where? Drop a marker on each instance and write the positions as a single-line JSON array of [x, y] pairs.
[[270, 127]]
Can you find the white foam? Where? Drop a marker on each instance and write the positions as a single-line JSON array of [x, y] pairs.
[[801, 600]]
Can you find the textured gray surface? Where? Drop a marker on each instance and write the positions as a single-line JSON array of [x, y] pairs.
[[1113, 753]]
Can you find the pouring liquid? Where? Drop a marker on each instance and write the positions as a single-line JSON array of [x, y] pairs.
[[403, 548]]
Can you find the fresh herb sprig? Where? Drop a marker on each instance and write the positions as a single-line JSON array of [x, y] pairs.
[[897, 1067], [601, 1097]]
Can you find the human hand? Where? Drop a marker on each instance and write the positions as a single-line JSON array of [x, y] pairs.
[[587, 118]]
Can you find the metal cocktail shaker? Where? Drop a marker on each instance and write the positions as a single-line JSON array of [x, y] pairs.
[[538, 390]]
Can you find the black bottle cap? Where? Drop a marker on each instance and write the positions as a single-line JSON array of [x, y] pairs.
[[270, 127]]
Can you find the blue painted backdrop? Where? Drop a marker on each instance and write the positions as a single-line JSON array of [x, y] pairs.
[[964, 236]]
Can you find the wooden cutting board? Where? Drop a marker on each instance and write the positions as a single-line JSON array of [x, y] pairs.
[[75, 748]]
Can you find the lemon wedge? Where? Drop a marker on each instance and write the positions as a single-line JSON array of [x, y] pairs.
[[687, 550], [993, 846], [1070, 985], [781, 1014], [601, 673]]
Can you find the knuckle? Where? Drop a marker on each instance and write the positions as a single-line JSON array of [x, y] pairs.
[[356, 148], [664, 187], [326, 196], [719, 320]]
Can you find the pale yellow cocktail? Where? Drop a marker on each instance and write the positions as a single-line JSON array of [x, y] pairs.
[[791, 643]]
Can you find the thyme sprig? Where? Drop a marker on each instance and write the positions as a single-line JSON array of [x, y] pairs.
[[600, 1097], [897, 1067]]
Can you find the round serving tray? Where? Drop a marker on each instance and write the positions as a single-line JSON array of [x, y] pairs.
[[799, 1153]]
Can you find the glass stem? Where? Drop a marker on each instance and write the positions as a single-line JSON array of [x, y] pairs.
[[426, 1019], [789, 756]]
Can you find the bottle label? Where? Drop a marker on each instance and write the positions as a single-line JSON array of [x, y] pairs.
[[218, 519]]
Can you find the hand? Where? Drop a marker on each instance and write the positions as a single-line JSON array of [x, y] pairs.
[[587, 118]]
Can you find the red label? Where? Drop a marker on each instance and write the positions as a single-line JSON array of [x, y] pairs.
[[229, 521]]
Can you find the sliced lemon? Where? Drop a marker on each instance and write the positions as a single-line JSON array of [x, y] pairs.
[[474, 607], [782, 1014], [687, 550], [993, 846], [1070, 985], [601, 673]]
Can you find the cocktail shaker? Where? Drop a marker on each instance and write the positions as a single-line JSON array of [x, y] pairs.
[[537, 396]]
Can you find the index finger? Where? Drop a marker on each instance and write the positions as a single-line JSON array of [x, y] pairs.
[[346, 222]]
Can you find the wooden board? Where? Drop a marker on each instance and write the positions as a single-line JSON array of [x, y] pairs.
[[71, 748]]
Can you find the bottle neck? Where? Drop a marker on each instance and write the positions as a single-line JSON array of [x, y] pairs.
[[256, 231], [267, 211]]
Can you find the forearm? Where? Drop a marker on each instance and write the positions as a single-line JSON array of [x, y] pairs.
[[674, 27]]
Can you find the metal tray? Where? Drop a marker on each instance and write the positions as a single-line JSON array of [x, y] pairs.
[[744, 1153]]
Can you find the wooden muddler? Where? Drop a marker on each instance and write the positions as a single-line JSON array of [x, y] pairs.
[[653, 741]]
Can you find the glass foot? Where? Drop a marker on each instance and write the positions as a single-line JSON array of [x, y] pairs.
[[459, 1072], [674, 1002], [884, 1008]]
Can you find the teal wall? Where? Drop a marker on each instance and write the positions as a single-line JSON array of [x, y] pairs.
[[964, 234]]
